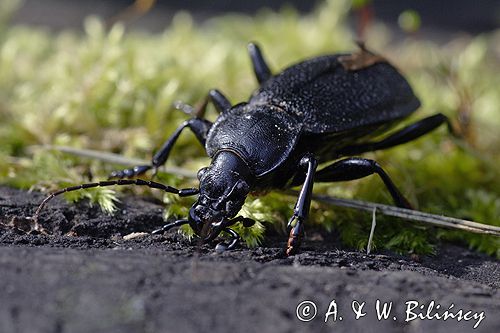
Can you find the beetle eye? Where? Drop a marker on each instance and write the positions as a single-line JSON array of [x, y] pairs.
[[201, 172]]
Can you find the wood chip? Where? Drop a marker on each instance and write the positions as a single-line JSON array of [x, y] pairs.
[[135, 235]]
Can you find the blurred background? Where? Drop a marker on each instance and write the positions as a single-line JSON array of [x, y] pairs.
[[443, 16], [103, 76], [438, 18]]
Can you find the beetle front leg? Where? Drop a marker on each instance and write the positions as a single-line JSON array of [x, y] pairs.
[[233, 241], [169, 226], [301, 210], [198, 126]]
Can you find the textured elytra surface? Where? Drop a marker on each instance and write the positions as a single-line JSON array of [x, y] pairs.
[[329, 99], [86, 277]]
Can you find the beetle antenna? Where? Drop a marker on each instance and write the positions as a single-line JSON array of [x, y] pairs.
[[140, 182]]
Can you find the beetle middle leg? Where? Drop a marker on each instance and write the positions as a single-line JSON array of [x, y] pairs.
[[355, 168], [198, 125], [301, 210], [233, 241]]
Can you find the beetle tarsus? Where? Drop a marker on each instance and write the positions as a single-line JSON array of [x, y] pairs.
[[233, 242], [169, 226], [295, 239]]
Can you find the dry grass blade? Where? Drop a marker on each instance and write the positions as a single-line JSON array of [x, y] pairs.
[[372, 230], [113, 158], [408, 214]]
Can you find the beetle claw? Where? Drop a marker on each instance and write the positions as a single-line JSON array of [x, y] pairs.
[[234, 241], [295, 239]]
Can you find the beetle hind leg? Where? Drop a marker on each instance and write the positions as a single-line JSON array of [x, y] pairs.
[[409, 133], [356, 168]]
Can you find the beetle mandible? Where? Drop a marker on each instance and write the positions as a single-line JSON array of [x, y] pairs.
[[318, 110]]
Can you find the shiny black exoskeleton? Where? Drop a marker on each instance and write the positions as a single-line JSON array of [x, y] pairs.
[[316, 111]]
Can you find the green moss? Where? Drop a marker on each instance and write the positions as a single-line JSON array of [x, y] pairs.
[[113, 90]]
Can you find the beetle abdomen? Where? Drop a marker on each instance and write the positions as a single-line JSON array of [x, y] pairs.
[[329, 99]]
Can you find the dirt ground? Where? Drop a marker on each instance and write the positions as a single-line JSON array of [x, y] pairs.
[[86, 278]]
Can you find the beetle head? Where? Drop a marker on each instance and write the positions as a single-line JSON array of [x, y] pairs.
[[223, 189]]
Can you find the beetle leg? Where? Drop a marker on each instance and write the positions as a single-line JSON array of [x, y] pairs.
[[301, 210], [355, 168], [247, 222], [220, 101], [169, 226], [262, 71], [235, 239], [198, 126], [406, 134]]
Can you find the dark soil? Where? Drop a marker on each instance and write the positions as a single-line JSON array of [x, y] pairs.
[[85, 277]]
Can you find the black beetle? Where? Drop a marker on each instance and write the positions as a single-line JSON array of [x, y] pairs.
[[316, 111]]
